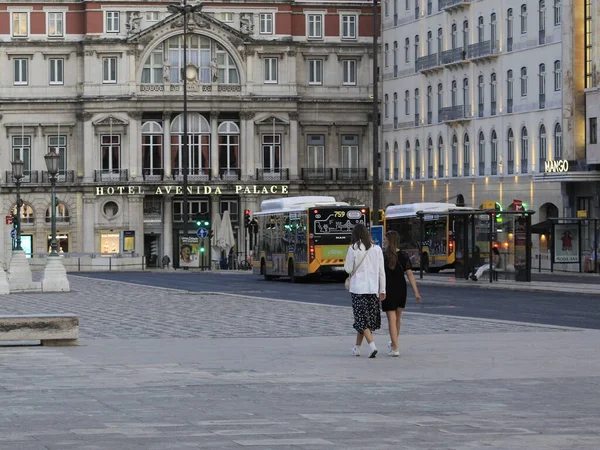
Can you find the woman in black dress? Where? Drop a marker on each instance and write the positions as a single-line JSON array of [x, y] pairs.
[[396, 265]]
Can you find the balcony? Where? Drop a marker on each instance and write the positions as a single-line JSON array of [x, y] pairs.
[[482, 50], [451, 5], [29, 176], [277, 174], [427, 63], [316, 174], [153, 174], [458, 113], [195, 174], [356, 174], [455, 56], [111, 175], [229, 174], [64, 176]]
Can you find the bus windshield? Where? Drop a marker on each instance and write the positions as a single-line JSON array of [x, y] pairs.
[[334, 225]]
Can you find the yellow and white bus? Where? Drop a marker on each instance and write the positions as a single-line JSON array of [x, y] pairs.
[[301, 236], [438, 241]]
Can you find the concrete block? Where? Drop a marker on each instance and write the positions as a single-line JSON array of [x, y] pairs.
[[4, 288], [47, 328], [55, 276]]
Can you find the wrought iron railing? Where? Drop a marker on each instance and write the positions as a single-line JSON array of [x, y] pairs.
[[451, 113], [194, 174], [351, 174], [427, 62], [277, 174], [316, 174], [29, 176], [229, 174], [111, 175], [443, 4], [452, 56], [63, 176], [153, 174], [481, 49]]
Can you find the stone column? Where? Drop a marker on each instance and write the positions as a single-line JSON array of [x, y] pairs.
[[135, 150], [293, 153], [136, 221], [247, 147], [86, 164], [167, 143], [88, 219], [168, 227], [214, 144]]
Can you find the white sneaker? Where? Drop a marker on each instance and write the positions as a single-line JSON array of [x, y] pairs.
[[356, 351], [389, 345], [394, 352], [372, 350]]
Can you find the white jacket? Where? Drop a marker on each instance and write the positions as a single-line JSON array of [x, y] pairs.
[[370, 276]]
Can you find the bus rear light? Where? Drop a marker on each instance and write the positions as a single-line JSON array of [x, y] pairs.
[[311, 251]]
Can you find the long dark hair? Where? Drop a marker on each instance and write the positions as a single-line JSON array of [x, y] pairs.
[[390, 253], [360, 234]]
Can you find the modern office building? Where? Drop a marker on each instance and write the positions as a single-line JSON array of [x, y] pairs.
[[486, 99], [279, 103]]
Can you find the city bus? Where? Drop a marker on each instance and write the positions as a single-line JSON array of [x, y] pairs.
[[303, 236], [439, 239]]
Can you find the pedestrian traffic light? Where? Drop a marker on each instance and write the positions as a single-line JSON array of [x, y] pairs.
[[15, 222], [198, 220], [202, 248], [201, 220], [247, 214]]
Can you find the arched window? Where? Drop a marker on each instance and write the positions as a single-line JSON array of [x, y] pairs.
[[440, 100], [416, 47], [406, 50], [453, 37], [454, 156], [440, 157], [557, 76], [386, 106], [453, 94], [557, 7], [429, 158], [386, 54], [466, 156], [429, 104], [542, 85], [465, 32], [494, 153], [481, 154], [493, 33], [406, 102], [387, 175], [480, 30], [510, 152], [523, 81], [429, 42], [229, 150], [407, 161], [165, 62], [152, 149], [27, 215], [417, 108], [524, 150], [493, 94], [558, 146], [509, 30], [198, 155], [395, 58], [417, 159], [466, 97], [396, 161], [542, 22], [440, 41], [480, 95], [523, 18], [62, 214], [543, 148]]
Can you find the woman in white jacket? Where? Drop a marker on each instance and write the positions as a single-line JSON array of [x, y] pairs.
[[364, 263]]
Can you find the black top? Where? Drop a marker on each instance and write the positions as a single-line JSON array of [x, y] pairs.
[[395, 283]]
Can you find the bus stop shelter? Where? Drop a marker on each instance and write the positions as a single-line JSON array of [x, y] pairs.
[[476, 232]]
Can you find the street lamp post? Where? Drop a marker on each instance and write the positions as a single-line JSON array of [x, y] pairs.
[[17, 173], [184, 9], [52, 160], [376, 157]]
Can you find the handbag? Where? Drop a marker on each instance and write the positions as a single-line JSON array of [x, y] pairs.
[[347, 282]]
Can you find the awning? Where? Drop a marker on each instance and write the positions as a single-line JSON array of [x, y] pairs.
[[543, 227]]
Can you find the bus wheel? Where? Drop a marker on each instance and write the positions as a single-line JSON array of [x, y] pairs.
[[425, 262], [291, 273]]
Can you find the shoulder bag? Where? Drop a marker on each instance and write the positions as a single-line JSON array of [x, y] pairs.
[[347, 282]]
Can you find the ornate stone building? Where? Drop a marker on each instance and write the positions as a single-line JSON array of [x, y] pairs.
[[279, 101]]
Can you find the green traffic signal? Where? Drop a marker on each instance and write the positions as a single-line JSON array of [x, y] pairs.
[[206, 223], [201, 249]]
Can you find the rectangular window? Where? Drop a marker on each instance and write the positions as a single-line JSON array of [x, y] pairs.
[[316, 151], [110, 152], [349, 66], [349, 27], [19, 24], [152, 16], [266, 23], [350, 152], [21, 71], [55, 24], [271, 144], [109, 70], [59, 145], [593, 130], [112, 22], [56, 71], [270, 66], [315, 68], [315, 26], [21, 149], [226, 17]]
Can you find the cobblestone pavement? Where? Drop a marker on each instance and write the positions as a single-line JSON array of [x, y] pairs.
[[169, 370]]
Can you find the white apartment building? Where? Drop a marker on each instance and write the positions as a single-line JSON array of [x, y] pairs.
[[478, 98]]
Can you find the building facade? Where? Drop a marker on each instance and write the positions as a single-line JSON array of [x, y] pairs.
[[279, 103], [486, 99]]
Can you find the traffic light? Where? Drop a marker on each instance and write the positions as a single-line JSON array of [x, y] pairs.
[[202, 220], [15, 222], [247, 214], [198, 220], [202, 247]]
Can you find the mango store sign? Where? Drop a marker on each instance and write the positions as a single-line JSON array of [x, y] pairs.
[[558, 166], [193, 190]]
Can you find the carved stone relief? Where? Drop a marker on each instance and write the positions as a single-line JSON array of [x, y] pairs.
[[247, 23]]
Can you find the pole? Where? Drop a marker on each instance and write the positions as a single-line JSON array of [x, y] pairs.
[[421, 236], [53, 251], [595, 245], [492, 268], [376, 193], [18, 183], [185, 161]]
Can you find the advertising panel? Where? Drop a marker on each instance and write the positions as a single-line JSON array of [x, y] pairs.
[[566, 243], [189, 251]]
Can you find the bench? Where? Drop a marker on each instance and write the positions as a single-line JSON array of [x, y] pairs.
[[49, 329]]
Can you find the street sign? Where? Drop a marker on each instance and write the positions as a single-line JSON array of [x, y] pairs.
[[8, 219], [13, 233], [582, 213], [377, 234], [202, 233]]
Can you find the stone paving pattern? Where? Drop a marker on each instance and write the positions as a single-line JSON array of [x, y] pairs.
[[162, 369]]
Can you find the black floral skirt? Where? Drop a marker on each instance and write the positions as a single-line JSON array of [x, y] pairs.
[[366, 312]]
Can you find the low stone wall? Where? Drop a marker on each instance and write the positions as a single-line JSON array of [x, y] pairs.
[[49, 329], [93, 264]]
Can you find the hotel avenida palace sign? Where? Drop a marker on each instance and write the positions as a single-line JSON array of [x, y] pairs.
[[193, 190]]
